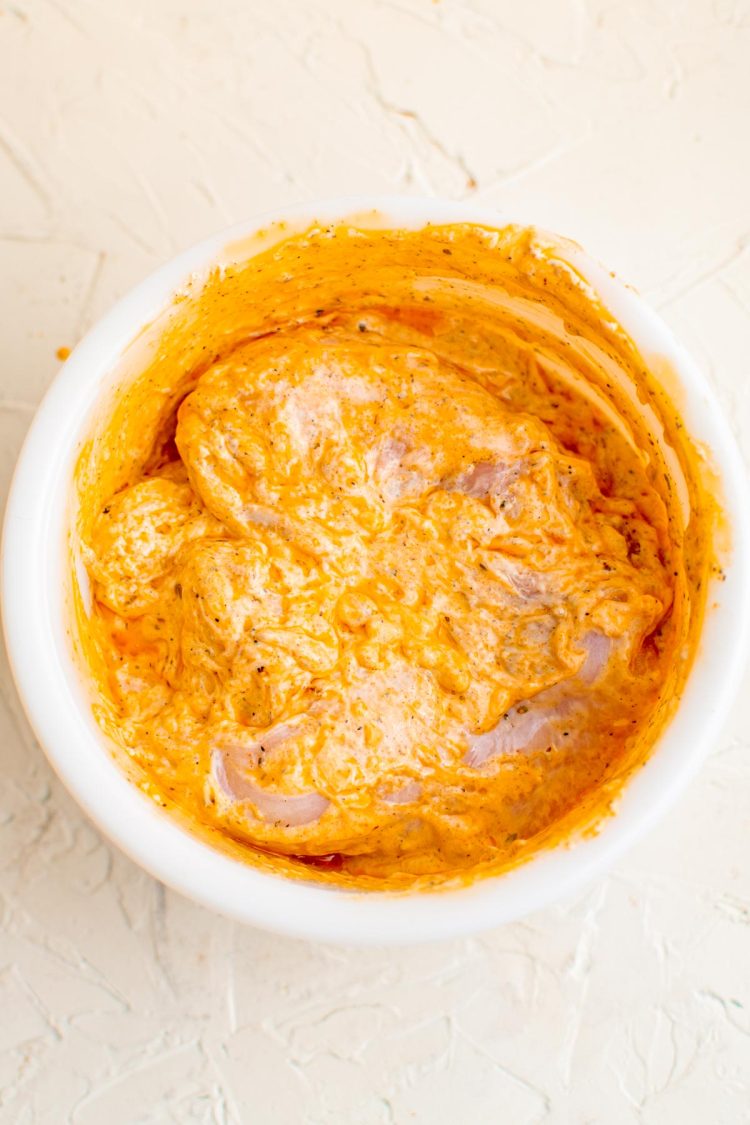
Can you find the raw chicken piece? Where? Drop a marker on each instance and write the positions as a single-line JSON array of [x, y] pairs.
[[291, 809], [548, 718]]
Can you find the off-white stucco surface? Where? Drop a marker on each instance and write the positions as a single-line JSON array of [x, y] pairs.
[[127, 132]]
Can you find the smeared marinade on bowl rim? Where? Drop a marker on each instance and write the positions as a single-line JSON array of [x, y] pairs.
[[398, 554]]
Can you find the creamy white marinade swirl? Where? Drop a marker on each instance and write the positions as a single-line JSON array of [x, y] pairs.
[[387, 574]]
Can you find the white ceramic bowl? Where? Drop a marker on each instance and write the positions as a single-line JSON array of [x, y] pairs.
[[48, 680]]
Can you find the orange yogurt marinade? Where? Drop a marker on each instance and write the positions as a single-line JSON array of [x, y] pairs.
[[388, 576]]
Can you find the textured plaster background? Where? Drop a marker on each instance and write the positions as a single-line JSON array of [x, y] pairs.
[[129, 130]]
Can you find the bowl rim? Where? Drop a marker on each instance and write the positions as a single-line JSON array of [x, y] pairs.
[[48, 683]]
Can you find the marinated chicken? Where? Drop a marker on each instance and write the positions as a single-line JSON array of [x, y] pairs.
[[387, 577]]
